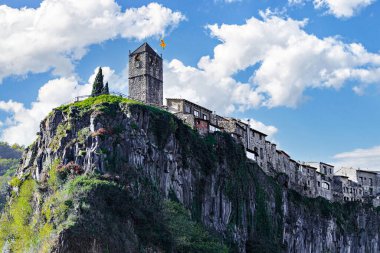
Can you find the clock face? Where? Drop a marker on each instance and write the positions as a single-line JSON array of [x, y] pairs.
[[138, 64]]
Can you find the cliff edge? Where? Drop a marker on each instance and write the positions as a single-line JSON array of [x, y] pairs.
[[109, 174]]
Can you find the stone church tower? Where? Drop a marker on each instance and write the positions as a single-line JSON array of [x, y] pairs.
[[146, 75]]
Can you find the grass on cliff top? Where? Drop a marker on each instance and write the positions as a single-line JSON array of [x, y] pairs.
[[91, 101]]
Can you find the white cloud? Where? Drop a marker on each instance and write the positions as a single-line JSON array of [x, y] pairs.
[[266, 129], [57, 33], [342, 8], [23, 123], [288, 61], [269, 130], [295, 2], [363, 158], [338, 8], [220, 93]]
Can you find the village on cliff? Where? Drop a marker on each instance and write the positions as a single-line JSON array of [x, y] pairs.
[[311, 179]]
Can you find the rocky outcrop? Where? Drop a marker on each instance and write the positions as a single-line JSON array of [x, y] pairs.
[[152, 157]]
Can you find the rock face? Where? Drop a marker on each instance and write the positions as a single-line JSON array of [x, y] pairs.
[[146, 157]]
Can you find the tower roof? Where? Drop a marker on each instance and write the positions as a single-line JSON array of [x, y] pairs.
[[145, 48]]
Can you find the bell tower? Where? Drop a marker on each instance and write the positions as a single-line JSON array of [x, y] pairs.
[[146, 75]]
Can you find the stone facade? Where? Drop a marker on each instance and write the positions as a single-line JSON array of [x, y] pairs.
[[312, 179], [146, 76], [369, 182], [324, 168], [194, 115], [346, 190]]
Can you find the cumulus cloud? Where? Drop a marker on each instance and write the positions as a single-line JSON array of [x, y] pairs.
[[364, 158], [295, 2], [23, 123], [338, 8], [269, 130], [57, 33], [266, 129], [342, 8], [288, 60]]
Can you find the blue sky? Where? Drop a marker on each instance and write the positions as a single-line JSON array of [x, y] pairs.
[[306, 71]]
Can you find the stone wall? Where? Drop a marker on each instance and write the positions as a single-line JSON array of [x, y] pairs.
[[230, 196], [146, 76], [310, 179]]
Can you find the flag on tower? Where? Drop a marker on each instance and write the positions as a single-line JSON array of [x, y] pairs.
[[163, 45]]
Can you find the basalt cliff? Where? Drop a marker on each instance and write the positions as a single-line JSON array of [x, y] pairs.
[[108, 174]]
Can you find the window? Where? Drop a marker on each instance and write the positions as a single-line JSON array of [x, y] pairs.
[[325, 186], [308, 182], [261, 153], [370, 181], [196, 113], [319, 184], [187, 109], [213, 129], [361, 179], [204, 116]]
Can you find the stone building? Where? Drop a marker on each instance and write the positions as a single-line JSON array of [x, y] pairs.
[[313, 179], [323, 168], [146, 76], [236, 128], [214, 122], [347, 172], [324, 185], [194, 115], [346, 190], [270, 149], [307, 179], [368, 181], [256, 144]]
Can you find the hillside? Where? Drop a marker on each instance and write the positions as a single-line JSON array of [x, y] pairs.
[[108, 174], [9, 161]]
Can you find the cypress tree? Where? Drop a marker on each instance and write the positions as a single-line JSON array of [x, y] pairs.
[[97, 87], [105, 89]]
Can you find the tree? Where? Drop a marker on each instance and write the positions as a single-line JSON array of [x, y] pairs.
[[97, 87], [105, 89]]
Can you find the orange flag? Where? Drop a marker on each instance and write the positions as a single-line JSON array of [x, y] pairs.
[[163, 45]]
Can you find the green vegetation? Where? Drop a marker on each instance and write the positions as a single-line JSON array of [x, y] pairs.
[[187, 235], [25, 229], [83, 134], [98, 87], [14, 223], [10, 151], [60, 133], [88, 103], [9, 161], [129, 207], [15, 182], [344, 214]]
